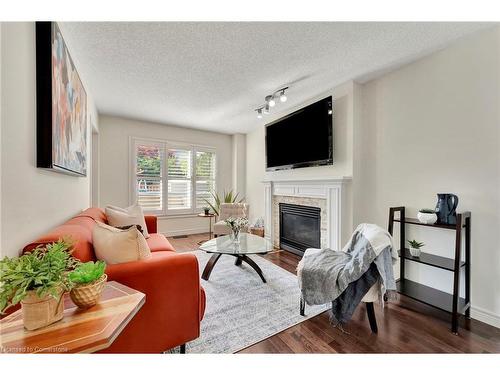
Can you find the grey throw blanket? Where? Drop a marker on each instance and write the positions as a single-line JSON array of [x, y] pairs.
[[324, 275], [344, 305]]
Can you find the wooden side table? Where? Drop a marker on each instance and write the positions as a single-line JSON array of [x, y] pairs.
[[210, 216], [80, 331]]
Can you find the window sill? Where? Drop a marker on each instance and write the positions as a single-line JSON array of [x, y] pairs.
[[174, 216]]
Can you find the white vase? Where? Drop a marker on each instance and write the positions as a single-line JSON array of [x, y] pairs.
[[415, 252], [235, 236], [425, 218]]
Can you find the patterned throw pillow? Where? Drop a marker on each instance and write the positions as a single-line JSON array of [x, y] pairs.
[[132, 215]]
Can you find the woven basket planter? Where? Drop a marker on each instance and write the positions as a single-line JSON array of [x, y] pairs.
[[39, 312], [88, 295], [257, 231]]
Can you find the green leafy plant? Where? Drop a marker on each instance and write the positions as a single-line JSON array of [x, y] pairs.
[[427, 211], [88, 272], [227, 197], [43, 270], [415, 244]]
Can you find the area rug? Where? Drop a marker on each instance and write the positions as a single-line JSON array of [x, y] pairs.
[[241, 309]]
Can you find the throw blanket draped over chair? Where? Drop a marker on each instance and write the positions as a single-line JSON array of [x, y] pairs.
[[344, 277]]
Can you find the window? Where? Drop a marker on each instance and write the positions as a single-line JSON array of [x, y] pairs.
[[179, 179], [205, 177], [148, 179], [172, 178]]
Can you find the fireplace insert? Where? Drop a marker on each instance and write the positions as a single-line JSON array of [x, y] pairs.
[[300, 227]]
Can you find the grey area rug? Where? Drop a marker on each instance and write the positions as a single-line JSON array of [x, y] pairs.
[[242, 310]]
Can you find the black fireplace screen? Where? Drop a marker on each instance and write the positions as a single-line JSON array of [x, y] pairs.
[[300, 227]]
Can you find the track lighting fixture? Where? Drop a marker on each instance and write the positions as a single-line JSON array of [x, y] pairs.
[[271, 101]]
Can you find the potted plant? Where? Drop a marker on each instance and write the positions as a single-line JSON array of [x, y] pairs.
[[427, 216], [415, 248], [227, 197], [38, 280], [236, 224], [88, 281], [206, 210]]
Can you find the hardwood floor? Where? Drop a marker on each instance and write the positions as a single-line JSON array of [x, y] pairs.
[[404, 326]]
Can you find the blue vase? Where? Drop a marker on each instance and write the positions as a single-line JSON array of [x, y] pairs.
[[446, 208]]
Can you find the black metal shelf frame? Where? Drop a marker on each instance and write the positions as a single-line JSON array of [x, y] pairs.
[[451, 303]]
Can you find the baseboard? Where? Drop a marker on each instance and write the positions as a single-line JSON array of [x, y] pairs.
[[179, 232], [485, 316]]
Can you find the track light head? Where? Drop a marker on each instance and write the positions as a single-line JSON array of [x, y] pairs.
[[283, 97], [270, 100], [266, 109], [259, 113]]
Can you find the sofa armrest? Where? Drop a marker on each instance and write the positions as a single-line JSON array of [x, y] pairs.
[[151, 223], [171, 314]]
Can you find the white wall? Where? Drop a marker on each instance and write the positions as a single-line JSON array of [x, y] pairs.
[[433, 126], [343, 125], [33, 200], [239, 164], [114, 160]]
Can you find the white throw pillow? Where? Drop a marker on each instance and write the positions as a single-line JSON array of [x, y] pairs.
[[133, 215], [114, 245]]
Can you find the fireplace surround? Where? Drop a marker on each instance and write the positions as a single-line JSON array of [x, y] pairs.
[[328, 194]]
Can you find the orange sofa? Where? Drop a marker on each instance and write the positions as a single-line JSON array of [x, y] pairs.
[[175, 301]]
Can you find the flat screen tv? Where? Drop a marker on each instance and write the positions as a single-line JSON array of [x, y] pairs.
[[304, 138]]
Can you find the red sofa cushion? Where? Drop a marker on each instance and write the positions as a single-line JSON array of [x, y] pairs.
[[158, 242]]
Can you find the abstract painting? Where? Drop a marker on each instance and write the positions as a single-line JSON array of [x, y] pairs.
[[66, 119]]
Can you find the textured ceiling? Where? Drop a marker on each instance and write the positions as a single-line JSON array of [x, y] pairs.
[[212, 76]]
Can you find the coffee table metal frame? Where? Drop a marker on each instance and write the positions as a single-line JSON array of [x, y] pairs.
[[240, 258]]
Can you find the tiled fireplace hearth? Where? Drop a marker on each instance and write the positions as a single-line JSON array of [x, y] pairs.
[[327, 195]]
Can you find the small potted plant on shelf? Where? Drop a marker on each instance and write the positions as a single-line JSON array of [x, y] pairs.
[[427, 216], [206, 210], [236, 224], [38, 280], [415, 247], [88, 281]]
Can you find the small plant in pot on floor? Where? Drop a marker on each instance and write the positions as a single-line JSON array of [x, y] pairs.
[[88, 281], [415, 247], [38, 280]]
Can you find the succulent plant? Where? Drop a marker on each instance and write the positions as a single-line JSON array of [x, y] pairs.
[[88, 272], [415, 244]]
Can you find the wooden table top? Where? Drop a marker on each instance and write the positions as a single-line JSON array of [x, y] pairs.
[[80, 331], [203, 215]]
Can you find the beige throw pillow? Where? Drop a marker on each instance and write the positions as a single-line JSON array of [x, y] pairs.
[[114, 245], [120, 217]]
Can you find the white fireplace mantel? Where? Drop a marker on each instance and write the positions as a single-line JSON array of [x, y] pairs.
[[330, 189]]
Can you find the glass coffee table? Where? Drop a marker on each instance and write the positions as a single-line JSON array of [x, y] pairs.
[[249, 244]]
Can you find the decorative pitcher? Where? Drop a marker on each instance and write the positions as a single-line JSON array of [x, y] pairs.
[[446, 208]]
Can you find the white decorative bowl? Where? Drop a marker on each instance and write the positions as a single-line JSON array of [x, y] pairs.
[[415, 252], [427, 218]]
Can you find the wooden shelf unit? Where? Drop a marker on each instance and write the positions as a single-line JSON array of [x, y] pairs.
[[451, 303]]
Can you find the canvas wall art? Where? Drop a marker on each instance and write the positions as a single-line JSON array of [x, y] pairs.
[[61, 105]]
